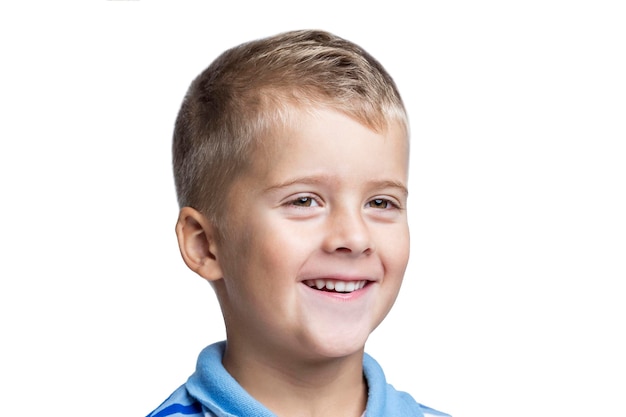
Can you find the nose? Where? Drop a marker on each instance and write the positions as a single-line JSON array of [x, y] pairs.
[[347, 231]]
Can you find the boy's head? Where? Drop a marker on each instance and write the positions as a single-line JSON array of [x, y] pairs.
[[291, 165], [253, 89]]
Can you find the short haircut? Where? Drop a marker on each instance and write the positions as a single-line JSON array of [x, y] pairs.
[[251, 90]]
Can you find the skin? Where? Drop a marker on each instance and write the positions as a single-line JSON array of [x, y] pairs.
[[325, 199]]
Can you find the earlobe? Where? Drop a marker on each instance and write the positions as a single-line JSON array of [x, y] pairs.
[[197, 243]]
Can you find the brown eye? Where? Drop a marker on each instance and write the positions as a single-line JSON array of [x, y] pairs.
[[379, 203], [303, 202]]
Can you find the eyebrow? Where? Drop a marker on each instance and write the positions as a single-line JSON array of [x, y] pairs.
[[319, 179]]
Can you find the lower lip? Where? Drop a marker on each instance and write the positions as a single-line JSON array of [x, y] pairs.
[[341, 296]]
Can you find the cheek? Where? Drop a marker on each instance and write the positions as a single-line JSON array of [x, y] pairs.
[[395, 250], [259, 260]]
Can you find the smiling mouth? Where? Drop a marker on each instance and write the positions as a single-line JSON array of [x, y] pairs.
[[334, 285]]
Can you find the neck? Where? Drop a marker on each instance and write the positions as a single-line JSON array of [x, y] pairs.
[[301, 388]]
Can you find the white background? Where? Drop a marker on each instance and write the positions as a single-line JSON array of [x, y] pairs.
[[513, 303]]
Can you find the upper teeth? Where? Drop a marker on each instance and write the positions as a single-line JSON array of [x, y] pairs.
[[333, 284]]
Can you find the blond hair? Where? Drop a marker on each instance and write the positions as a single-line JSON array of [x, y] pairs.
[[253, 88]]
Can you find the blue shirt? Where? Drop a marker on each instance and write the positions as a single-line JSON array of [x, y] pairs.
[[212, 392]]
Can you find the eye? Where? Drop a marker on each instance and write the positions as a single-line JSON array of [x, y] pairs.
[[304, 201], [380, 203]]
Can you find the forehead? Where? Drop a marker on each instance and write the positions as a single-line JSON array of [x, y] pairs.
[[328, 142], [282, 124]]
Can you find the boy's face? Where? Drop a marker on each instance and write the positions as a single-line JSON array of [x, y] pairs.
[[323, 205]]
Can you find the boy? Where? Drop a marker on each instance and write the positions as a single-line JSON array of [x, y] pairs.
[[291, 164]]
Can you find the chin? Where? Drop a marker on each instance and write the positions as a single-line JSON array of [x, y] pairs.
[[336, 345]]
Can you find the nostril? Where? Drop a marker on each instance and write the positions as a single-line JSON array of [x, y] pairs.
[[348, 251]]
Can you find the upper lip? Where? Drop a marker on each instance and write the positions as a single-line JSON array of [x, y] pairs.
[[340, 277]]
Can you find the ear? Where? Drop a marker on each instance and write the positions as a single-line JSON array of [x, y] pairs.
[[197, 243]]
